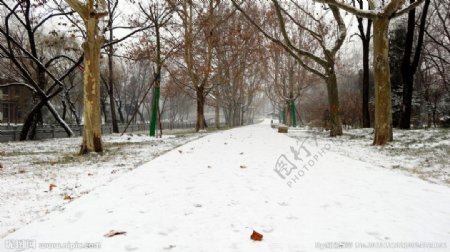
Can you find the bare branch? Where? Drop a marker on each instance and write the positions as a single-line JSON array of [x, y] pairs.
[[351, 9]]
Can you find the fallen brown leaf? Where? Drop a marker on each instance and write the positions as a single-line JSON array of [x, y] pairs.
[[53, 162], [112, 233], [68, 197], [256, 236], [243, 166], [1, 166], [51, 186]]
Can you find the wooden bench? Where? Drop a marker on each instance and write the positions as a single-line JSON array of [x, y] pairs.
[[283, 129]]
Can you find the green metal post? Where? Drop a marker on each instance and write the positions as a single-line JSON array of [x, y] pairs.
[[294, 121], [154, 112]]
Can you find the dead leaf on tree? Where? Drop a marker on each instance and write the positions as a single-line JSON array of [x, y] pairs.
[[1, 166], [256, 236], [114, 233]]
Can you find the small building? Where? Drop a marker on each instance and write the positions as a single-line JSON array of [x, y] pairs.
[[14, 102]]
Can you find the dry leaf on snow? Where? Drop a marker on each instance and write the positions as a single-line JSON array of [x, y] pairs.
[[256, 236], [114, 233], [51, 186], [68, 197]]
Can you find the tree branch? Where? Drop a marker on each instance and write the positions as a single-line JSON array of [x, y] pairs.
[[357, 12]]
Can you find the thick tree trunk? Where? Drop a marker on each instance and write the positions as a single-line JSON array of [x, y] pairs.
[[407, 73], [92, 130], [383, 115], [409, 67], [333, 101], [365, 100], [92, 117], [200, 125]]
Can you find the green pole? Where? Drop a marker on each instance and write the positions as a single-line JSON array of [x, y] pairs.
[[294, 122], [154, 112]]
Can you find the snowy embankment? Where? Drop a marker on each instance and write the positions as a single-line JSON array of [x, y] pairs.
[[423, 153], [210, 194], [39, 177]]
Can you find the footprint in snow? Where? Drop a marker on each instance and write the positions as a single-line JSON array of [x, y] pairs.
[[169, 247], [267, 229], [131, 248], [375, 234]]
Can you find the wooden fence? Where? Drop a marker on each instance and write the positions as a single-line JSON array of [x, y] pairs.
[[10, 133]]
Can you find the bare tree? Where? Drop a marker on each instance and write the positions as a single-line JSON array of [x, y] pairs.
[[20, 29], [411, 61], [381, 14], [198, 26], [158, 14], [91, 13], [323, 60], [240, 71], [365, 34], [290, 81], [112, 12]]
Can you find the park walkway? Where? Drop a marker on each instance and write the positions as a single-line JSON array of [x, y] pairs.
[[210, 194]]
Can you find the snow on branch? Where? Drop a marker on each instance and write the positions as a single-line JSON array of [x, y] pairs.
[[357, 12], [407, 9]]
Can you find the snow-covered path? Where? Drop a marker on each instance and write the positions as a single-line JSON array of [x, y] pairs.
[[210, 194]]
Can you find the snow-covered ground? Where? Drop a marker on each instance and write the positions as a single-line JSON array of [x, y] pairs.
[[424, 153], [29, 168], [211, 193]]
